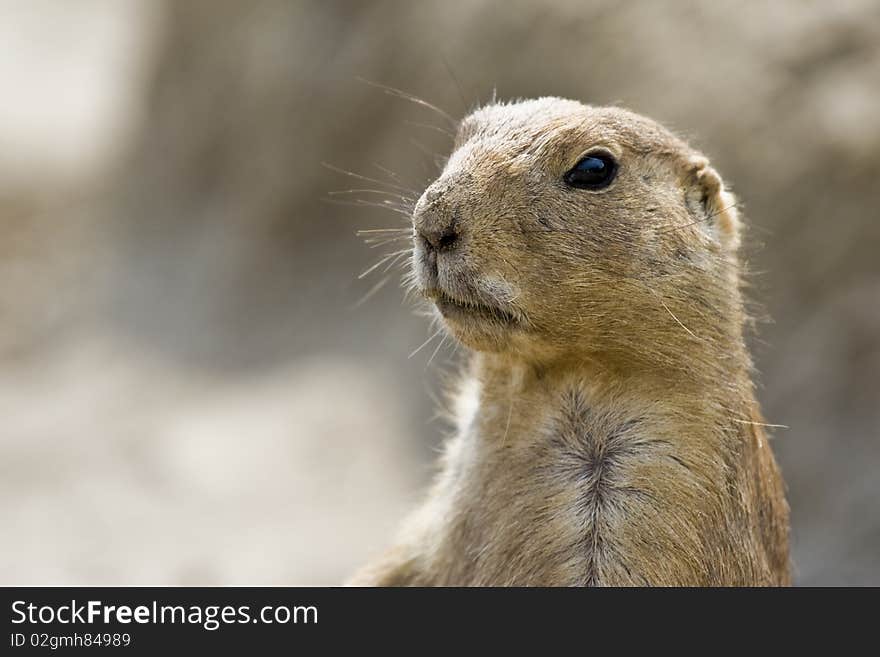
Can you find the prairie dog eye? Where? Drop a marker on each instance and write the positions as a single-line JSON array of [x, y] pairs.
[[593, 171]]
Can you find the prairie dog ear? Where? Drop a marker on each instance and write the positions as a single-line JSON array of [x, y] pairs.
[[711, 203]]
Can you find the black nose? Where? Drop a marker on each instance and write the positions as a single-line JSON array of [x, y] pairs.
[[439, 239], [437, 230]]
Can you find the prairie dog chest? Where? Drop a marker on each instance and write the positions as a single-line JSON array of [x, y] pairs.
[[540, 495]]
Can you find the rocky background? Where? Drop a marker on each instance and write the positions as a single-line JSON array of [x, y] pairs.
[[190, 391]]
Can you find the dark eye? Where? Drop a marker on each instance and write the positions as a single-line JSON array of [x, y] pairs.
[[594, 171]]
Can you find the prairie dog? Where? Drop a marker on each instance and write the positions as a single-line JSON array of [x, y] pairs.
[[607, 430]]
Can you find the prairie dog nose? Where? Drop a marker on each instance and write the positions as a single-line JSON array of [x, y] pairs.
[[437, 230]]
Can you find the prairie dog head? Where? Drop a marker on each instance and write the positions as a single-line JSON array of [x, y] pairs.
[[558, 228]]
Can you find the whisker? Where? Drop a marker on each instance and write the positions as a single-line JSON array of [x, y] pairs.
[[384, 237], [362, 203], [424, 344], [665, 307], [762, 424], [367, 178], [340, 192], [434, 157], [376, 242], [671, 314], [396, 260], [382, 261], [428, 126], [380, 244], [509, 414], [372, 291], [442, 341], [399, 93], [388, 172], [455, 79], [383, 230], [699, 221]]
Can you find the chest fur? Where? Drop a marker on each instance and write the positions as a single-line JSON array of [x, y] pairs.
[[554, 498]]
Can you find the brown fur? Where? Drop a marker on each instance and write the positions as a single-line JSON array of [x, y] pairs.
[[608, 432]]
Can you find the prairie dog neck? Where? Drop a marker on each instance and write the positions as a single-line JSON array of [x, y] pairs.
[[500, 388]]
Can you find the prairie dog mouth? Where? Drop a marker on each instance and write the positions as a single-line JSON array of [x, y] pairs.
[[461, 311]]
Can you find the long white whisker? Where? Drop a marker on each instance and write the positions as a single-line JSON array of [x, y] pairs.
[[422, 346], [340, 192], [382, 261], [395, 260], [671, 314], [391, 91], [367, 178], [363, 203], [763, 424], [442, 341], [378, 286]]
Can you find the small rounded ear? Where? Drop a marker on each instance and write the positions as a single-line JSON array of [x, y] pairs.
[[710, 203]]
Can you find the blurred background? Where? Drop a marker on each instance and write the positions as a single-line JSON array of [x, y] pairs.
[[191, 392]]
